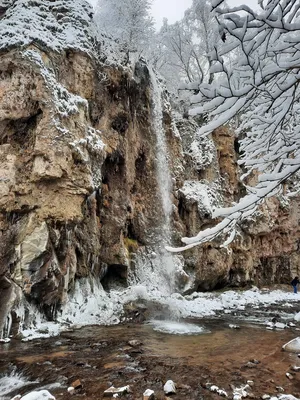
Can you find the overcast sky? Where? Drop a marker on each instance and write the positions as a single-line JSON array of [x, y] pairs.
[[174, 9]]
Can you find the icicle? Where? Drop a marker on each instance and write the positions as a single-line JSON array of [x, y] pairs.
[[6, 329]]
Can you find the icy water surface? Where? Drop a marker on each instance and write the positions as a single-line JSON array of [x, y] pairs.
[[102, 356]]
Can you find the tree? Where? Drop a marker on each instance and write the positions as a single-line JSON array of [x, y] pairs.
[[128, 22], [263, 87], [181, 50]]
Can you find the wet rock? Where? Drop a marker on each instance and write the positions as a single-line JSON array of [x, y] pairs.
[[170, 387], [250, 364], [220, 392], [232, 326], [289, 376], [240, 392], [134, 343], [296, 368], [112, 391], [184, 387], [293, 346], [76, 384], [148, 395], [216, 389]]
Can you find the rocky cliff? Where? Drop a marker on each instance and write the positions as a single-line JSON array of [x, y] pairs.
[[78, 169]]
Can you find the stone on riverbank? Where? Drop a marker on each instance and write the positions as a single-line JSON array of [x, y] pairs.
[[169, 387], [293, 346]]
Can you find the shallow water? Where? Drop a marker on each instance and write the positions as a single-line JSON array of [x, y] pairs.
[[101, 356]]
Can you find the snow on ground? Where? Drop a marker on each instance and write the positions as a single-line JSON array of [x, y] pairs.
[[90, 304]]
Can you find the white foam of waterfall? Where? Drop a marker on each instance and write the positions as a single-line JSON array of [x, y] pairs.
[[11, 382], [177, 328]]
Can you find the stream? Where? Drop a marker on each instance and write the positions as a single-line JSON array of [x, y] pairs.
[[225, 350]]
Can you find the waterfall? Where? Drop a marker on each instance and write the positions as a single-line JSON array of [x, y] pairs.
[[164, 182], [156, 269]]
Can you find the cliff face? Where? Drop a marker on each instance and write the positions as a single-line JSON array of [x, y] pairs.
[[78, 170], [266, 250]]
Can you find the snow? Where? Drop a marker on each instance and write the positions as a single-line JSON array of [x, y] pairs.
[[38, 395], [51, 25], [203, 193], [201, 151], [64, 102]]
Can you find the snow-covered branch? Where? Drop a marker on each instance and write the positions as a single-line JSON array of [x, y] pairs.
[[263, 89]]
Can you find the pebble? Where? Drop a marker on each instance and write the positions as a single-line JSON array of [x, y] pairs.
[[279, 389], [296, 368], [148, 395], [251, 365], [265, 397], [76, 384], [231, 326], [71, 390], [288, 375], [112, 391], [134, 343]]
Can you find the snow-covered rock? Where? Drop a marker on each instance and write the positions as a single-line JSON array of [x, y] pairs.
[[292, 346], [116, 391], [169, 387], [297, 317], [148, 394], [55, 25], [38, 395]]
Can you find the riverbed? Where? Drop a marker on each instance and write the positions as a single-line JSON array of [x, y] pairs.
[[220, 354]]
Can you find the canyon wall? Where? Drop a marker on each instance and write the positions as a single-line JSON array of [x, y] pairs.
[[79, 192]]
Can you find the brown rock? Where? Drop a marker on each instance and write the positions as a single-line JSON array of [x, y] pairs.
[[76, 384]]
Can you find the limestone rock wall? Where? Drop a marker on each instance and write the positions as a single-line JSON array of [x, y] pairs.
[[266, 251], [77, 170]]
